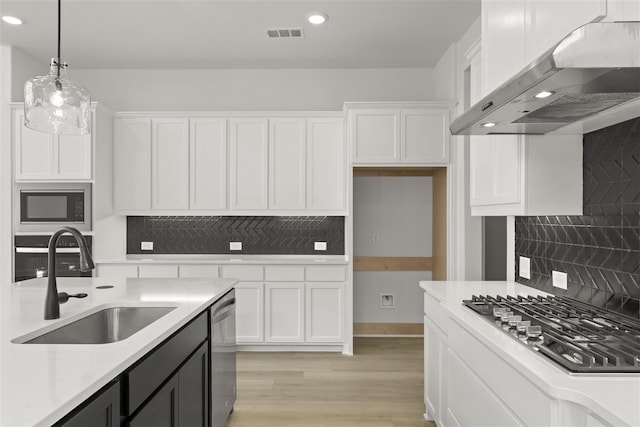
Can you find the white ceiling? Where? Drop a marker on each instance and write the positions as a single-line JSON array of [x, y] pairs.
[[194, 34]]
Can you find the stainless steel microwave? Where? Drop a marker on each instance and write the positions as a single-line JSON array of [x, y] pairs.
[[45, 207]]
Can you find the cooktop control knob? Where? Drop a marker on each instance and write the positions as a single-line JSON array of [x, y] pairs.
[[534, 332]]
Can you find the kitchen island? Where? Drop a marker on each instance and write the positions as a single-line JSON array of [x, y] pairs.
[[475, 374], [41, 383]]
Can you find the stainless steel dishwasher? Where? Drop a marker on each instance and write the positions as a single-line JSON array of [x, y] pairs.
[[223, 358]]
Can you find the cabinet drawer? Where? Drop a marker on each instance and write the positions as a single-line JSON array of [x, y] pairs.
[[243, 272], [326, 273], [149, 373], [284, 273], [158, 271], [199, 271], [117, 270]]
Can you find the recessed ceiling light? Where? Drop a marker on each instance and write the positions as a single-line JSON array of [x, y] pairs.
[[543, 94], [12, 20], [317, 18], [488, 124]]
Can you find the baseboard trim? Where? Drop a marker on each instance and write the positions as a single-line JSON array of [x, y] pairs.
[[382, 329]]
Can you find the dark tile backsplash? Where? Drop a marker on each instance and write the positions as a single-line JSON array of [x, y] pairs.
[[265, 235], [600, 250]]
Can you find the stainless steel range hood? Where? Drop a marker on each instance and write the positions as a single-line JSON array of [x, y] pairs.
[[593, 69]]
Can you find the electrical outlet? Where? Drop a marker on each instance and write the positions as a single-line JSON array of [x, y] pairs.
[[319, 246], [525, 267], [387, 300], [146, 246], [375, 238], [559, 279], [235, 246]]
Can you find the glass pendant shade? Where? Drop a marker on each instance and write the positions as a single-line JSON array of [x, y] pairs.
[[55, 104]]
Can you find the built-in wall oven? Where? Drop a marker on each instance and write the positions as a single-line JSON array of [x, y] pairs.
[[45, 207], [223, 358], [31, 257]]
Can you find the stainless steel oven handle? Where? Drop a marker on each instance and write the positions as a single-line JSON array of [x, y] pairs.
[[224, 307], [46, 250]]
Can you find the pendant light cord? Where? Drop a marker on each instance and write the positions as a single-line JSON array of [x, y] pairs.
[[59, 13]]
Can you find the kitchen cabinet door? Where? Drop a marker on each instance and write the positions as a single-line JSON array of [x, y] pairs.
[[72, 157], [193, 388], [34, 150], [425, 136], [102, 410], [208, 164], [287, 163], [435, 356], [249, 163], [526, 175], [162, 409], [249, 312], [170, 163], [132, 163], [324, 312], [375, 135], [44, 156], [325, 164], [284, 312], [551, 21], [503, 41]]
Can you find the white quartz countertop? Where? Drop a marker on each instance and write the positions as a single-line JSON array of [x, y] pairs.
[[226, 259], [615, 396], [40, 383]]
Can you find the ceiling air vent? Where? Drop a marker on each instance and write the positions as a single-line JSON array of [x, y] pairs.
[[285, 33]]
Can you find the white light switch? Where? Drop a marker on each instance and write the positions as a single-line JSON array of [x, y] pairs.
[[320, 246], [146, 246], [525, 267], [559, 279], [235, 246]]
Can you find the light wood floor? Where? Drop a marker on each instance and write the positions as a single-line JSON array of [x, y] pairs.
[[380, 386]]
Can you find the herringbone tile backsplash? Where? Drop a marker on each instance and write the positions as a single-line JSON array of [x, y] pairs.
[[600, 250], [264, 235]]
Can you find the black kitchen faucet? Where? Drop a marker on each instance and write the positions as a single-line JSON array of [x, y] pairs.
[[53, 298]]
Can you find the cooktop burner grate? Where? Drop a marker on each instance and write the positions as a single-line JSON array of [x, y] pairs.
[[580, 337]]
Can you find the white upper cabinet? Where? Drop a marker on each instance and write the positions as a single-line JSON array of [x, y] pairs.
[[411, 134], [44, 156], [375, 135], [287, 160], [516, 32], [326, 164], [235, 166], [208, 171], [170, 163], [132, 163], [425, 136], [249, 163]]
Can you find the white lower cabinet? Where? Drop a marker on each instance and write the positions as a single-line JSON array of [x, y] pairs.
[[284, 312], [275, 304], [249, 312], [324, 308]]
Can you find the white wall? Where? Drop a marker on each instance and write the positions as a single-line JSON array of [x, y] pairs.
[[6, 181], [399, 210], [23, 68], [252, 89]]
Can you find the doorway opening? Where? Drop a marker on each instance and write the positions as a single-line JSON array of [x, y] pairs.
[[399, 239]]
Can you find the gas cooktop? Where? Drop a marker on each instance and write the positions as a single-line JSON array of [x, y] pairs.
[[578, 336]]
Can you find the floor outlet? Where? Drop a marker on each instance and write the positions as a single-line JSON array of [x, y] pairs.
[[559, 279], [387, 301]]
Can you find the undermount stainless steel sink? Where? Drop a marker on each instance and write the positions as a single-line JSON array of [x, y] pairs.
[[105, 326]]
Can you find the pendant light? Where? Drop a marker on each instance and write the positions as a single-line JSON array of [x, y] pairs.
[[55, 104]]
